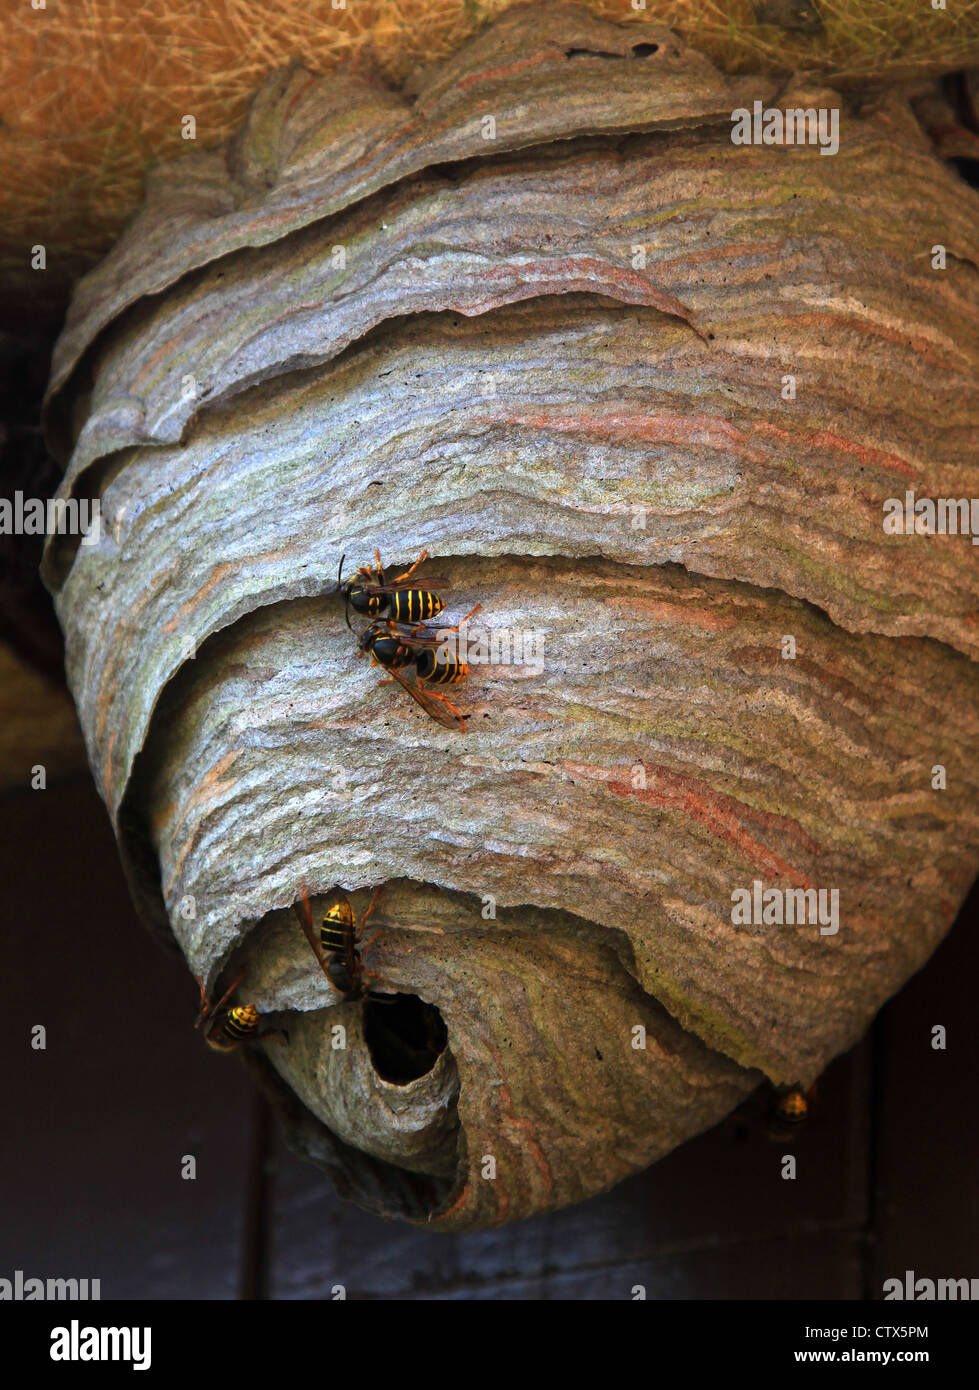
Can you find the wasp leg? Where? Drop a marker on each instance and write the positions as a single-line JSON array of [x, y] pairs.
[[446, 701], [407, 574], [423, 627], [229, 992], [371, 994], [366, 947], [363, 919], [219, 1006], [459, 624]]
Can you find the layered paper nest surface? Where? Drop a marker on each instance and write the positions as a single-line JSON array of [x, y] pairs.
[[537, 317]]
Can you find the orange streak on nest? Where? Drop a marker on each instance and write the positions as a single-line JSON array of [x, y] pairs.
[[213, 782], [308, 78], [190, 331], [722, 815], [485, 75], [920, 346], [725, 251], [113, 648], [826, 439], [523, 1127], [107, 766], [217, 574], [461, 1201], [826, 672], [187, 607], [675, 614], [622, 426], [105, 701]]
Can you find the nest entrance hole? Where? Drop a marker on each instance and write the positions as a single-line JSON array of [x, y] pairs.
[[404, 1035], [638, 50]]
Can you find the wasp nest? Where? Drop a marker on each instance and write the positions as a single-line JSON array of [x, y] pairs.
[[643, 394]]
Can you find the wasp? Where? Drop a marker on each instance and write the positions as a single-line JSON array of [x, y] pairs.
[[397, 645], [225, 1028], [337, 947], [407, 600], [790, 1110]]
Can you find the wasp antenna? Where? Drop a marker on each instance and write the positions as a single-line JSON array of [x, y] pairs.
[[219, 1007], [339, 574]]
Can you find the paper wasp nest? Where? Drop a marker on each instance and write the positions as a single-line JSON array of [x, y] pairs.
[[541, 316]]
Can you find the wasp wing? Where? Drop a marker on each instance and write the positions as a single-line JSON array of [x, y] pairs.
[[432, 707], [428, 583], [415, 636], [424, 636], [304, 913]]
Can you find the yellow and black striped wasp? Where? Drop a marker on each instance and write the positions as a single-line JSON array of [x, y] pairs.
[[397, 645], [790, 1111], [227, 1027], [777, 1112], [406, 600], [337, 947]]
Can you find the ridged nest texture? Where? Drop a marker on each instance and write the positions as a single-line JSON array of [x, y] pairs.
[[554, 356]]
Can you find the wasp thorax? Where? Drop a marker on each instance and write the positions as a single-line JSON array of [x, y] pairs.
[[340, 976], [365, 603], [376, 632]]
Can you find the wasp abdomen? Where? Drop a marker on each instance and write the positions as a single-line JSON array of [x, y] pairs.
[[240, 1024], [440, 670], [414, 605], [336, 929]]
